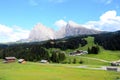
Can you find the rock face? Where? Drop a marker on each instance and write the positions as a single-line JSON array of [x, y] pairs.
[[73, 29], [41, 33]]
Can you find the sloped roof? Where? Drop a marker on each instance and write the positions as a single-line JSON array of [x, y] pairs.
[[43, 61], [10, 58]]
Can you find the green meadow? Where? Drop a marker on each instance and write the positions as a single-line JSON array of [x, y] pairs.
[[37, 71], [67, 71]]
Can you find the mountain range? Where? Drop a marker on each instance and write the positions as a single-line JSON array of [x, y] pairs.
[[42, 33]]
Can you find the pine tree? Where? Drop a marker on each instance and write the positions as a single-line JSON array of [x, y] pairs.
[[74, 61], [54, 58], [81, 61], [89, 51], [61, 56]]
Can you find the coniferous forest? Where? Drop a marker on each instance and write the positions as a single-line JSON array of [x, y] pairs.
[[109, 41]]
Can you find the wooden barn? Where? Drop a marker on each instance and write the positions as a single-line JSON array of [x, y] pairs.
[[9, 59], [112, 68]]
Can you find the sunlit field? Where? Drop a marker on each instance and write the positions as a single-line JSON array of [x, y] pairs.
[[37, 71]]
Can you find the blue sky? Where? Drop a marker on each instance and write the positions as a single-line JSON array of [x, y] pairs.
[[19, 16]]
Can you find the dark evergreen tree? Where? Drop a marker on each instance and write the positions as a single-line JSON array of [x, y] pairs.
[[81, 61], [54, 58], [89, 50], [74, 61], [93, 50], [61, 56], [69, 61], [4, 55]]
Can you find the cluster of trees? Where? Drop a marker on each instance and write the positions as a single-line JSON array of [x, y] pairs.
[[74, 61], [69, 43], [33, 53], [93, 50], [58, 56], [109, 41]]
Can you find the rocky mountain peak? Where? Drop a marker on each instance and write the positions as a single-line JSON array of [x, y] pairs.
[[41, 33]]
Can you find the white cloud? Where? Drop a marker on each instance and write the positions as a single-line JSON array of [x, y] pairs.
[[109, 21], [108, 15], [15, 33], [60, 23]]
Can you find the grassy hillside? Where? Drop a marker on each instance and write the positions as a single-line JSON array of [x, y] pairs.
[[90, 42], [106, 55], [37, 71]]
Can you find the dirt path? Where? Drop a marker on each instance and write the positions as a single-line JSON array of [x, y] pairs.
[[99, 68], [97, 59], [87, 67]]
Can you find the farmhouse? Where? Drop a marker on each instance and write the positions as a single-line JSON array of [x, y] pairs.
[[115, 63], [43, 61], [78, 52], [9, 59], [21, 61], [112, 68]]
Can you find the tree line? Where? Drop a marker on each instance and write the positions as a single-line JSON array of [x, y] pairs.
[[33, 53], [37, 51], [109, 41]]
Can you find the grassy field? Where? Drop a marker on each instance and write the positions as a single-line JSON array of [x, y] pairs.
[[37, 71]]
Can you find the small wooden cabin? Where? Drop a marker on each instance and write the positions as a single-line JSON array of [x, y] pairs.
[[112, 68], [44, 61], [10, 59], [115, 63], [21, 61]]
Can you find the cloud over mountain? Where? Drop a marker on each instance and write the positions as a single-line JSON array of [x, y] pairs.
[[109, 21], [11, 34], [60, 23]]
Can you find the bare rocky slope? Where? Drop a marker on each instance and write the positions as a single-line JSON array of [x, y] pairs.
[[41, 32]]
